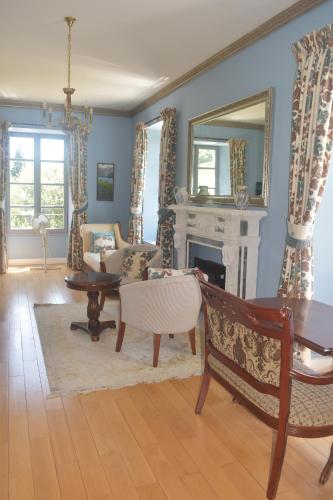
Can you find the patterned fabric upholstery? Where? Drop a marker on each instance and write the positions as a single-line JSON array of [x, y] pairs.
[[105, 241], [160, 272], [135, 262], [311, 405], [258, 355]]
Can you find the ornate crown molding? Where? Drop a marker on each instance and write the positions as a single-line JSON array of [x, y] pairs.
[[13, 103], [261, 31]]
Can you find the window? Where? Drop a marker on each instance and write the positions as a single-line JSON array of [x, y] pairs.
[[151, 186], [206, 164], [37, 180]]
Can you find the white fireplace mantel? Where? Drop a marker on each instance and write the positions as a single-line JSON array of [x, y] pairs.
[[234, 232]]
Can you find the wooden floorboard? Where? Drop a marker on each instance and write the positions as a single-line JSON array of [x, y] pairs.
[[138, 443]]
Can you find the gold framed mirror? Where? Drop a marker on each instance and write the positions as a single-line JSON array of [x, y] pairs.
[[229, 150]]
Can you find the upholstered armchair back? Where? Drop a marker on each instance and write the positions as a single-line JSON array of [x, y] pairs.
[[257, 354], [86, 229], [251, 338]]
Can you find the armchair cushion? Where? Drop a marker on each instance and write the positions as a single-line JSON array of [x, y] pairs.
[[311, 405], [100, 241], [135, 261]]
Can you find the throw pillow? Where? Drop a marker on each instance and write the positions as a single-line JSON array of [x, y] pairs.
[[103, 241], [135, 262], [159, 272]]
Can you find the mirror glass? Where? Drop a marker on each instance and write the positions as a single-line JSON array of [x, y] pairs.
[[229, 148]]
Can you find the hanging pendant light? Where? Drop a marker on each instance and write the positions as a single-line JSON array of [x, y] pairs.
[[69, 121]]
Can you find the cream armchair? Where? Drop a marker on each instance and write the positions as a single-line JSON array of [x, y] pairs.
[[160, 306], [92, 260]]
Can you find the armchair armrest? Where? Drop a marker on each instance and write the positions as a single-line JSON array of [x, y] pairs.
[[113, 263]]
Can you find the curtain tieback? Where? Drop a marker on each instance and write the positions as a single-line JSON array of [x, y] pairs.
[[80, 210], [299, 235], [136, 211]]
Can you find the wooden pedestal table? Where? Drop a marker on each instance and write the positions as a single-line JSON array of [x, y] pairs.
[[93, 283]]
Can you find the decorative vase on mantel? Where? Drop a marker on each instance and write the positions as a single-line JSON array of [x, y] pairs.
[[241, 198], [181, 195], [203, 195]]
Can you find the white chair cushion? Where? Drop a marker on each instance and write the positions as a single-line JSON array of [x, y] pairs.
[[93, 260]]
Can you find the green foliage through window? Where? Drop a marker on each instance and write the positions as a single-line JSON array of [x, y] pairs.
[[37, 180]]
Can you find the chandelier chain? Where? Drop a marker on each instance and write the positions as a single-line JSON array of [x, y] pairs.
[[69, 55]]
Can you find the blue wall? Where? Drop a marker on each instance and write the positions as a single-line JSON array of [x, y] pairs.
[[109, 141], [267, 63]]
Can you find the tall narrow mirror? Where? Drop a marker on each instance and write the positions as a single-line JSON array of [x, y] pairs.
[[229, 148]]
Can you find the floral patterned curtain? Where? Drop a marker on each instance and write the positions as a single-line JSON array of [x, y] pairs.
[[4, 170], [166, 221], [311, 144], [77, 162], [135, 230], [237, 152]]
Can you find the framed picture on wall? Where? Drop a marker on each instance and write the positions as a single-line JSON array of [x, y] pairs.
[[105, 181]]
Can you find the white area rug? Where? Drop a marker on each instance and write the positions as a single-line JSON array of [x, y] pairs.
[[74, 363]]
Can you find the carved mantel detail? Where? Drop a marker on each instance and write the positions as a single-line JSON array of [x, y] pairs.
[[234, 232]]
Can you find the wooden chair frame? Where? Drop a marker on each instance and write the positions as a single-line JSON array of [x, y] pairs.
[[275, 324]]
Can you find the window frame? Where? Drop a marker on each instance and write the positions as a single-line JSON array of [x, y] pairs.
[[196, 168], [38, 136]]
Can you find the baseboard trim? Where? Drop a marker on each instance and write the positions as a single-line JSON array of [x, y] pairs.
[[34, 262]]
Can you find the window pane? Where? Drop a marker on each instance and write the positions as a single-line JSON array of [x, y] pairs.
[[56, 217], [52, 173], [52, 149], [21, 147], [206, 178], [52, 195], [21, 171], [206, 158], [21, 217], [21, 194]]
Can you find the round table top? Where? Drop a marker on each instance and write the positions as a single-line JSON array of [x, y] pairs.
[[92, 281]]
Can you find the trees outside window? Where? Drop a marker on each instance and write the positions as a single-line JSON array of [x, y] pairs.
[[37, 180]]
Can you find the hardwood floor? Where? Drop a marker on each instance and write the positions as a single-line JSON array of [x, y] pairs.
[[142, 442]]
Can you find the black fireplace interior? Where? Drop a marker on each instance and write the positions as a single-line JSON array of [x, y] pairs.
[[215, 272]]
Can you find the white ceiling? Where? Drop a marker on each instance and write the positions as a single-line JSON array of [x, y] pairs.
[[123, 50]]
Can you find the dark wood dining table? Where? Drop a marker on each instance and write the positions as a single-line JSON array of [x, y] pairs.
[[313, 321]]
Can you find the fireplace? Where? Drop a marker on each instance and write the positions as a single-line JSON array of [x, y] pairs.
[[233, 233], [214, 271]]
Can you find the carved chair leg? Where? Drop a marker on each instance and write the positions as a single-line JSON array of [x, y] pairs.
[[171, 335], [157, 343], [327, 469], [191, 334], [102, 301], [279, 444], [203, 391], [120, 338]]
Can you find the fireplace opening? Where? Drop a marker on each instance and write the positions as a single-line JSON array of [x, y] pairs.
[[215, 272]]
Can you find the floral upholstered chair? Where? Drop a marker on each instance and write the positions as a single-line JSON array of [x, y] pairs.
[[249, 350]]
